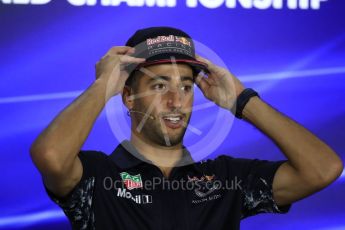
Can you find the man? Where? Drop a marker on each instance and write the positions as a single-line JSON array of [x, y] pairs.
[[97, 191]]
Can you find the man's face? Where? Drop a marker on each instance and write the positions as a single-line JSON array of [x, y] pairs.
[[166, 91]]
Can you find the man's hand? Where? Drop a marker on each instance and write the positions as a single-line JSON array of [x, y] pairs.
[[110, 69], [220, 86], [55, 151]]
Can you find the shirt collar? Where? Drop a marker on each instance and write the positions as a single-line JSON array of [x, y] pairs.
[[127, 156]]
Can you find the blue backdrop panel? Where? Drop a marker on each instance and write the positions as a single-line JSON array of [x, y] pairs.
[[292, 52]]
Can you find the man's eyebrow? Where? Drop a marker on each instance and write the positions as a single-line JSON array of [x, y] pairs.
[[158, 77], [187, 78], [166, 78]]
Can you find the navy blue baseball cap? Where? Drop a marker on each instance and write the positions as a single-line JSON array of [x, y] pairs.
[[160, 45]]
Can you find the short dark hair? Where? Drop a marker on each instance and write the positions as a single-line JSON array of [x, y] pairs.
[[133, 79]]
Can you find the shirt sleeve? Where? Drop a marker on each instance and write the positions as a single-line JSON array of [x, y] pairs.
[[257, 192], [256, 185], [77, 205]]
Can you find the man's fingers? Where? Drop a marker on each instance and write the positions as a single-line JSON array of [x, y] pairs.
[[123, 53], [210, 66], [120, 50], [216, 74], [201, 82], [202, 59], [129, 59], [124, 58]]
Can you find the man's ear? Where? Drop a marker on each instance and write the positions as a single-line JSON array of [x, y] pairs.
[[127, 100]]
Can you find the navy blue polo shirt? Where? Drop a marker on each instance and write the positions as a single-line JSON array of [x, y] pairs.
[[120, 191]]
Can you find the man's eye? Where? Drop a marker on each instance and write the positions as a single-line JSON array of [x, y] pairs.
[[187, 88], [159, 86]]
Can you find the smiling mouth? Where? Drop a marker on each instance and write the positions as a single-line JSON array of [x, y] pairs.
[[173, 121]]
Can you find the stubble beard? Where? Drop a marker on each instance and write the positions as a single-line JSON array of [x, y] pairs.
[[154, 130]]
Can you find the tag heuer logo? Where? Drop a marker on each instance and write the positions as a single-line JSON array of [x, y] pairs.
[[131, 181]]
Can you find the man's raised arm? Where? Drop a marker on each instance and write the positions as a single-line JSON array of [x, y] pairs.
[[311, 165], [55, 151]]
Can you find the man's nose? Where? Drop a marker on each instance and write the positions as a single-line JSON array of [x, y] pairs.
[[175, 98]]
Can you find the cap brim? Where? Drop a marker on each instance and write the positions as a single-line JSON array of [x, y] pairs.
[[194, 63]]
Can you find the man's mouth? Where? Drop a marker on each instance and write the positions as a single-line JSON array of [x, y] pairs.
[[173, 121]]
